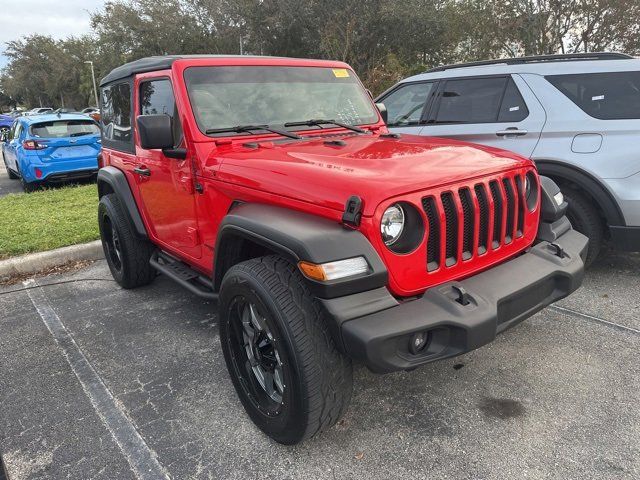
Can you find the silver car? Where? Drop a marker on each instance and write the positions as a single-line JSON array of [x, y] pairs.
[[577, 116]]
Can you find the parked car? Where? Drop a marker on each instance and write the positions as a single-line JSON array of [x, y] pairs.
[[38, 111], [577, 116], [65, 110], [51, 148], [5, 124], [93, 112], [324, 238]]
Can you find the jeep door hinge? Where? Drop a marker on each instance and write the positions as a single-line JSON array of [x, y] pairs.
[[352, 211]]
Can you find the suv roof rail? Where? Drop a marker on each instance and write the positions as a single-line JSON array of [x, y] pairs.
[[536, 59]]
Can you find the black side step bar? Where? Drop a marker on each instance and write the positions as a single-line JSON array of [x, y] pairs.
[[183, 274]]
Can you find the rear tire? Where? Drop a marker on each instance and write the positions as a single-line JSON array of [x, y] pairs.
[[291, 342], [127, 256], [584, 218], [29, 187]]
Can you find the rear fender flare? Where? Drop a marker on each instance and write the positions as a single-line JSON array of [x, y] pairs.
[[113, 180]]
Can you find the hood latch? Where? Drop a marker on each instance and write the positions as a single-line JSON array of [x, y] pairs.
[[352, 211]]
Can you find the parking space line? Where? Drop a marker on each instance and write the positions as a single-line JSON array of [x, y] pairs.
[[595, 319], [142, 459]]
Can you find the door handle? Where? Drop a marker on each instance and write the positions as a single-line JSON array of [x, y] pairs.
[[142, 171], [511, 132]]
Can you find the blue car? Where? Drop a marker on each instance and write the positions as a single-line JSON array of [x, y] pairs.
[[51, 148]]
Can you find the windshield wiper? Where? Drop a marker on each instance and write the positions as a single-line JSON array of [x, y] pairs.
[[251, 128], [319, 123], [80, 134]]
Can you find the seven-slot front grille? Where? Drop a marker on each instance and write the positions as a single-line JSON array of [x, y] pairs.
[[473, 220]]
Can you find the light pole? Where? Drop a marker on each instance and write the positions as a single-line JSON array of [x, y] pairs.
[[93, 76]]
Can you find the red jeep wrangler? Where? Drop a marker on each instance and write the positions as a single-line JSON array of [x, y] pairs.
[[273, 186]]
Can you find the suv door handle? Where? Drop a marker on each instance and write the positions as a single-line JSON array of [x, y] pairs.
[[142, 171], [511, 131]]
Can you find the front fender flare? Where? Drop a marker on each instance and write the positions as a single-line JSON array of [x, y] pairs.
[[301, 236]]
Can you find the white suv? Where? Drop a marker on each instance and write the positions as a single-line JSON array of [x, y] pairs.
[[577, 116]]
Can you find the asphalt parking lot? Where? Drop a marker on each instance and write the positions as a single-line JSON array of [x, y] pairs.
[[99, 382]]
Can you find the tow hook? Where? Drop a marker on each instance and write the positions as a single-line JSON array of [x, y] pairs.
[[558, 250], [463, 297]]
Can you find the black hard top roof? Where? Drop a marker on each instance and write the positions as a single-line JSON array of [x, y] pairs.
[[150, 64]]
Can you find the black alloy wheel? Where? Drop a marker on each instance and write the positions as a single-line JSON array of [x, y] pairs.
[[255, 356], [112, 243]]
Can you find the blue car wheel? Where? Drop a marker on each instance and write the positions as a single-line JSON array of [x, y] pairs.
[[28, 187]]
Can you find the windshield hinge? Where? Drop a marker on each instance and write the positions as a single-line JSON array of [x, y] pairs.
[[352, 209]]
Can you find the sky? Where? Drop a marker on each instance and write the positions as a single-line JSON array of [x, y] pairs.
[[58, 18]]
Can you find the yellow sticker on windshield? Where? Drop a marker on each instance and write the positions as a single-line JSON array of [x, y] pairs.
[[341, 72]]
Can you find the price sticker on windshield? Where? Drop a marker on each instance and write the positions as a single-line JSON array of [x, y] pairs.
[[341, 72]]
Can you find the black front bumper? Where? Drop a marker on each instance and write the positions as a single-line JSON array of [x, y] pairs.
[[497, 299]]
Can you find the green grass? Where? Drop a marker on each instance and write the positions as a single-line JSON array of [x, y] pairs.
[[48, 219]]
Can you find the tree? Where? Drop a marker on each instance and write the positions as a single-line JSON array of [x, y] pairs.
[[384, 40]]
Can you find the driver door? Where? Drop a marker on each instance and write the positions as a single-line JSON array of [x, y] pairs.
[[166, 185]]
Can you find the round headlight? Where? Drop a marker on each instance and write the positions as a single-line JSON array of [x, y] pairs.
[[392, 224]]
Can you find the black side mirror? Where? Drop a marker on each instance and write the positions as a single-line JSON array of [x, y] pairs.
[[155, 131], [383, 111]]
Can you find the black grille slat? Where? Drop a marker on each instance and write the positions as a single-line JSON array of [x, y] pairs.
[[511, 209], [521, 206], [433, 243], [451, 219], [483, 203], [497, 212], [469, 222]]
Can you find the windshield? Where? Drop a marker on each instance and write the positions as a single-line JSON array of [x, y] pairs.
[[64, 128], [223, 97]]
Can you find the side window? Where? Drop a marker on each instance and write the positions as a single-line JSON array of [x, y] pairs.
[[513, 108], [18, 131], [607, 96], [404, 105], [156, 97], [116, 116], [473, 100], [12, 132]]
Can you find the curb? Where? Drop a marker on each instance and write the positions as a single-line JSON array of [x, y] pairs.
[[36, 262]]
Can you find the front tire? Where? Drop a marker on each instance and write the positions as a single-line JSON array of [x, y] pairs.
[[585, 219], [127, 256], [285, 367]]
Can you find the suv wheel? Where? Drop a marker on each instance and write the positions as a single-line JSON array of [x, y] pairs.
[[289, 375], [585, 219], [127, 256]]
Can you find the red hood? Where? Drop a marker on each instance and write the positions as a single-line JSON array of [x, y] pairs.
[[373, 167]]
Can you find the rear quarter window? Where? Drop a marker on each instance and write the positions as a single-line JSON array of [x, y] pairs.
[[606, 96], [116, 116]]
